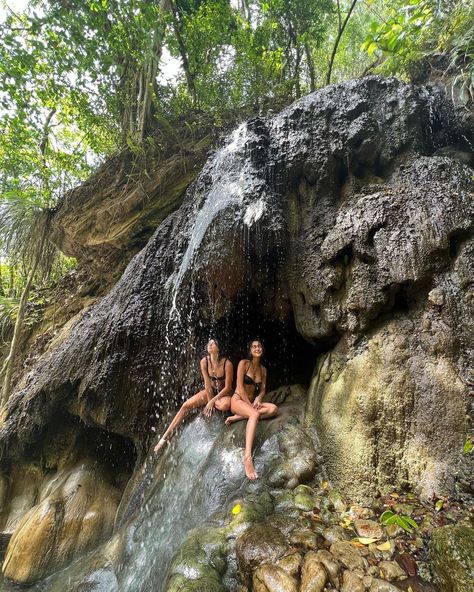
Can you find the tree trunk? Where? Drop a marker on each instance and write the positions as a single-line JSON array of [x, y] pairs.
[[148, 75], [190, 79], [9, 361], [310, 62], [11, 287], [338, 38]]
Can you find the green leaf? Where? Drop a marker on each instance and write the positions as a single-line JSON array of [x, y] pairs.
[[468, 445], [371, 48], [386, 516], [439, 505]]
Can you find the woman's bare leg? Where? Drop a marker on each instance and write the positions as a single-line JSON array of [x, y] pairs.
[[244, 409], [198, 400], [267, 410], [233, 418], [223, 404]]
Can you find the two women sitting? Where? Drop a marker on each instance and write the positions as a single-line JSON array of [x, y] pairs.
[[244, 403]]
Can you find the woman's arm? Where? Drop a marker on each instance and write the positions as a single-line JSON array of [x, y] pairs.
[[263, 389], [229, 377], [207, 380]]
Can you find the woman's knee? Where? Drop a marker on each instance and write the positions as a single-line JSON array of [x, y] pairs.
[[185, 407], [272, 409], [254, 415], [223, 404]]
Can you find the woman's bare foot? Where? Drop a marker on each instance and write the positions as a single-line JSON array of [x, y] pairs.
[[232, 419], [160, 444], [249, 468]]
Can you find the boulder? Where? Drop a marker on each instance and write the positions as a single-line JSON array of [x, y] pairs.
[[261, 543], [313, 574], [452, 555], [270, 578], [77, 515]]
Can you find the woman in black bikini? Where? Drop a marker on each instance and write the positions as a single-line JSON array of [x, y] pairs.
[[218, 374], [246, 402]]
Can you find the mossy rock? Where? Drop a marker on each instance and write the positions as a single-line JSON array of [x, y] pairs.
[[452, 554], [261, 543], [185, 583]]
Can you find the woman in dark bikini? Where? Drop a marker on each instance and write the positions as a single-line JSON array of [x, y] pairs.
[[246, 402], [218, 374]]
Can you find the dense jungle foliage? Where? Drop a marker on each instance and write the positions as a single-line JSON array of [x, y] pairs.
[[82, 79]]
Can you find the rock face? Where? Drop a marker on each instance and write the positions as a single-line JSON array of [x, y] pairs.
[[77, 515], [334, 221], [390, 399], [111, 216]]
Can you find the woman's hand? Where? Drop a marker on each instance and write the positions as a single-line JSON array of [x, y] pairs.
[[209, 408], [257, 402]]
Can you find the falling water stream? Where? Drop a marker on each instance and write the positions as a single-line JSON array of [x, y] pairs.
[[202, 468]]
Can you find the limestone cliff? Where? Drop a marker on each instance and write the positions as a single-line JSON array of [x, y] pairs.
[[341, 230]]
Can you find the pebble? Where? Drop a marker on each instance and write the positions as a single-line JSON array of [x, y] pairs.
[[352, 582], [348, 555], [382, 586], [334, 534], [331, 565], [392, 571], [305, 539], [368, 528], [291, 564]]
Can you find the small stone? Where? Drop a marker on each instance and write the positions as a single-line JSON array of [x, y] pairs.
[[348, 555], [335, 498], [333, 534], [419, 544], [436, 297], [270, 578], [291, 564], [393, 530], [313, 575], [368, 528], [382, 586], [392, 571], [352, 582], [303, 501], [357, 511], [367, 581], [306, 489], [332, 566], [304, 539]]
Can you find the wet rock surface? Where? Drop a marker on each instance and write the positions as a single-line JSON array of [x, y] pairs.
[[341, 221], [354, 564]]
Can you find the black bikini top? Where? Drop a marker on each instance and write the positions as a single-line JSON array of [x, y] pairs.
[[214, 377], [250, 381]]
